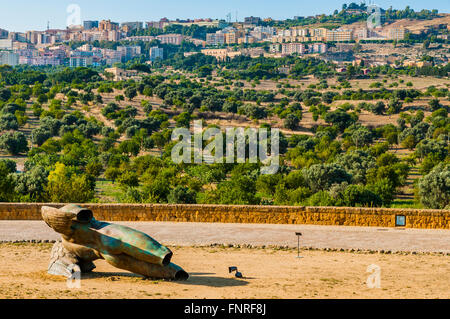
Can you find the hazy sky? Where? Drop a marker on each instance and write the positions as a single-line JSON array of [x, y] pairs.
[[20, 15]]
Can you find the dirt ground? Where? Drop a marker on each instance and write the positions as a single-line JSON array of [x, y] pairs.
[[267, 274]]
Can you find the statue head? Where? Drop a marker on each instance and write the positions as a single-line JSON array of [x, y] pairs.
[[61, 220]]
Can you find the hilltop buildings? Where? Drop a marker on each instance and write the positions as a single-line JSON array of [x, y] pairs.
[[49, 47], [297, 34]]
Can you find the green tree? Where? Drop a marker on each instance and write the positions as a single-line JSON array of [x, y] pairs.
[[322, 176], [7, 183], [66, 186], [8, 122], [181, 195], [239, 190], [130, 93], [30, 185], [130, 147], [394, 106], [409, 142], [358, 195], [128, 179], [5, 94], [13, 142], [434, 188], [434, 104], [291, 122], [340, 119]]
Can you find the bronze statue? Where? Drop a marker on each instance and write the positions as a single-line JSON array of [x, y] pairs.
[[84, 239]]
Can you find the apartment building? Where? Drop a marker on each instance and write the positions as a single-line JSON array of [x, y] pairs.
[[40, 60], [318, 48], [291, 48], [88, 25], [274, 48], [3, 34], [21, 46], [339, 35], [298, 34], [361, 34], [175, 39], [132, 25], [318, 33], [80, 61], [145, 38], [262, 33], [396, 34], [252, 20], [231, 37], [215, 39], [161, 24], [221, 54], [114, 36], [111, 56], [201, 23], [107, 25], [121, 74], [197, 42], [129, 52], [246, 39], [9, 58], [34, 37], [17, 36], [6, 44], [156, 53]]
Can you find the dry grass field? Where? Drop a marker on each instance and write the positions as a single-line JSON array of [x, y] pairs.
[[267, 274]]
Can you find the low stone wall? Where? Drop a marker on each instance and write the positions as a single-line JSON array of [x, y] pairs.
[[377, 217]]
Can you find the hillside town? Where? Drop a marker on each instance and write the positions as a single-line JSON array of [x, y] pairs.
[[78, 45]]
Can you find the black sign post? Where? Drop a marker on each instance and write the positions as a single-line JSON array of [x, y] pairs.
[[298, 245]]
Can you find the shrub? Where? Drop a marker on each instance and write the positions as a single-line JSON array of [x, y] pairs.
[[291, 122], [65, 185], [6, 183], [322, 176], [13, 142], [8, 122], [128, 178], [358, 195], [181, 195], [434, 188]]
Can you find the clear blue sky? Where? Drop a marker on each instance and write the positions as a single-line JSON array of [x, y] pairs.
[[21, 15]]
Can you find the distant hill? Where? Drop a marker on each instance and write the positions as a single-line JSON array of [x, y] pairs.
[[413, 25], [416, 26]]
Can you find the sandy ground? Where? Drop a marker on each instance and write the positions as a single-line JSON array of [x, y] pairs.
[[267, 274]]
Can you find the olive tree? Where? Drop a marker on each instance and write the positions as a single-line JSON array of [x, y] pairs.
[[434, 188]]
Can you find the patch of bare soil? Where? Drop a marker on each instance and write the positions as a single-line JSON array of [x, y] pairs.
[[267, 274]]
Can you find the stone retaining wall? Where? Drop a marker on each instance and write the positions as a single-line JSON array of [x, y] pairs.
[[377, 217]]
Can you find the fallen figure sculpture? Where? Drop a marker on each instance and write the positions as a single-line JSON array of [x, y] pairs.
[[84, 239]]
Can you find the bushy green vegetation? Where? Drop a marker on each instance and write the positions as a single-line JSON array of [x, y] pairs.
[[128, 143]]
